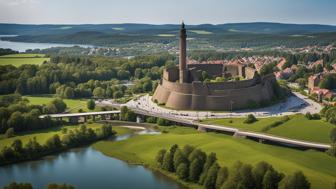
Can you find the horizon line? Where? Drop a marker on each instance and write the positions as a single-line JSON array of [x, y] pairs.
[[253, 22]]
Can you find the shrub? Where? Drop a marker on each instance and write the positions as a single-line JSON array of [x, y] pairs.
[[308, 116], [250, 119], [9, 133], [163, 122]]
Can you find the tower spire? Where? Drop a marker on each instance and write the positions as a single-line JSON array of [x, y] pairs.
[[183, 54]]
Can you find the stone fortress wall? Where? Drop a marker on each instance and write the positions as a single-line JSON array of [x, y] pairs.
[[181, 88], [225, 96]]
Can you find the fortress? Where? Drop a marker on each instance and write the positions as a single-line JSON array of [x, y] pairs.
[[182, 87]]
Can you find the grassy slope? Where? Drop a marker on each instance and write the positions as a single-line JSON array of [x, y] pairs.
[[20, 59], [43, 135], [73, 105], [298, 127], [319, 167]]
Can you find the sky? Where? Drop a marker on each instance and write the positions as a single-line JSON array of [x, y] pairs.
[[167, 11]]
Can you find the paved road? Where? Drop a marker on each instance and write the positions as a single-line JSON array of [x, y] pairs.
[[293, 105]]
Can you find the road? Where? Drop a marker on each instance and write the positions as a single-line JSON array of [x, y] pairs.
[[296, 103]]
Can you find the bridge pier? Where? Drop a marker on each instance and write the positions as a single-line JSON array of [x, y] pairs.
[[139, 119], [73, 120], [93, 118]]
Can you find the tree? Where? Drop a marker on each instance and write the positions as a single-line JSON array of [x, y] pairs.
[[222, 176], [250, 119], [15, 121], [182, 171], [168, 163], [271, 179], [295, 181], [179, 158], [259, 172], [98, 92], [69, 92], [17, 146], [160, 156], [187, 149], [117, 94], [54, 142], [59, 104], [15, 185], [163, 122], [59, 186], [210, 160], [9, 133], [91, 104], [195, 170], [333, 135], [211, 177]]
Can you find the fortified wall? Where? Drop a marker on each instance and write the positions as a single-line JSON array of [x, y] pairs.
[[226, 96]]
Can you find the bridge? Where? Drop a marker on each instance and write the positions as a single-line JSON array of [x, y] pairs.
[[82, 117], [261, 137]]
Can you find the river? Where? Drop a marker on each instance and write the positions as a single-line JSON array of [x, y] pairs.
[[86, 168], [23, 46]]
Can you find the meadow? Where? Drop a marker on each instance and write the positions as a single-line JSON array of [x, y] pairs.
[[73, 106], [317, 166], [21, 59], [298, 127], [44, 134]]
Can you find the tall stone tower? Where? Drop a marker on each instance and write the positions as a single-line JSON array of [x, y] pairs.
[[183, 54]]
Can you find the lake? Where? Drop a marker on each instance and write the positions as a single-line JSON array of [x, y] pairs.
[[23, 46], [85, 168]]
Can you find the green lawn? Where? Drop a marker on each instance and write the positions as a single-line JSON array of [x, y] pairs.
[[317, 166], [21, 59], [298, 127], [43, 135], [201, 32], [72, 105], [165, 35]]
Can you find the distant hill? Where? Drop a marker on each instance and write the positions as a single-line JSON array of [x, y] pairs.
[[257, 27]]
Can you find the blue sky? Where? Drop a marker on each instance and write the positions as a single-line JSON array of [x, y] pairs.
[[167, 11]]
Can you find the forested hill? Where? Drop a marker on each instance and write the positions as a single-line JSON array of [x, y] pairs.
[[256, 27], [205, 36]]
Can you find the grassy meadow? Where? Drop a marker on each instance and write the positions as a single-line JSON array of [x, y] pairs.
[[73, 105], [21, 59], [44, 134], [317, 166], [298, 127]]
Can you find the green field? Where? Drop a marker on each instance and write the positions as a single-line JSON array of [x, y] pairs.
[[43, 135], [72, 105], [21, 59], [298, 127], [201, 32], [317, 166], [166, 35]]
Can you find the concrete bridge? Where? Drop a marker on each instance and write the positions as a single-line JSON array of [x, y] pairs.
[[264, 138], [82, 117], [261, 137]]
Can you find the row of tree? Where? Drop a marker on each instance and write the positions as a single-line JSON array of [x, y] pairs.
[[194, 165], [72, 71], [33, 149], [15, 185]]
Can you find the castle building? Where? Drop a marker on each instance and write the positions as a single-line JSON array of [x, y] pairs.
[[184, 88]]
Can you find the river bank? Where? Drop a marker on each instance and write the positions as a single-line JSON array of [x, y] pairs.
[[142, 149]]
